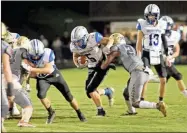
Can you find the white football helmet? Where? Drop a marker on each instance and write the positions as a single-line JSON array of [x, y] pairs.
[[35, 50], [152, 10], [79, 35], [3, 30], [169, 22]]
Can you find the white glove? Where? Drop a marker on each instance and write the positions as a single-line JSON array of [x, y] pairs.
[[26, 66]]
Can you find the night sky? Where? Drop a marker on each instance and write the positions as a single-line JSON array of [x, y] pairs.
[[15, 13]]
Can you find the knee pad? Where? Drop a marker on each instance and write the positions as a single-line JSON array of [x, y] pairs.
[[126, 94], [22, 99], [177, 76], [68, 96]]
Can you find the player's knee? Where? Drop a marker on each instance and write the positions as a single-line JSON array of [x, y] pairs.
[[126, 94], [136, 104], [41, 95], [163, 81], [22, 99], [68, 96], [89, 90], [178, 76]]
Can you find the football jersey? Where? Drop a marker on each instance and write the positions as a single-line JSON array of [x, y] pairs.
[[48, 57], [16, 60], [152, 34], [128, 56], [92, 50], [172, 40]]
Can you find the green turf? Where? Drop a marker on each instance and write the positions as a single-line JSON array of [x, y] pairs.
[[146, 120]]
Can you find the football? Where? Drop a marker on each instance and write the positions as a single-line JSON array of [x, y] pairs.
[[82, 59]]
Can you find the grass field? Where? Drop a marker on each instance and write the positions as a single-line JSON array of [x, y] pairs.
[[146, 121]]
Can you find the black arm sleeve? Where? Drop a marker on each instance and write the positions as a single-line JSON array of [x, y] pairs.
[[165, 45]]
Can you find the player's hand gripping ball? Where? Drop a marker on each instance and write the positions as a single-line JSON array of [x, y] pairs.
[[82, 61]]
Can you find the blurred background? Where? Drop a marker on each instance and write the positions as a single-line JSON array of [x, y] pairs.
[[53, 21]]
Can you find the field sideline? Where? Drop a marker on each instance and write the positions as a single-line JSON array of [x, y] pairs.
[[146, 120]]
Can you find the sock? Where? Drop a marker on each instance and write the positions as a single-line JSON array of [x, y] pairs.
[[160, 99], [50, 110], [27, 113], [78, 111], [184, 92], [142, 99], [131, 109], [99, 107], [147, 105], [11, 108], [107, 91]]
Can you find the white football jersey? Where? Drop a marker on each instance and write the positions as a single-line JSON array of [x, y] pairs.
[[172, 40], [92, 50], [48, 57], [152, 34]]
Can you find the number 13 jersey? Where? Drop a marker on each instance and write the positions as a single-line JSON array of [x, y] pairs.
[[152, 34], [92, 50]]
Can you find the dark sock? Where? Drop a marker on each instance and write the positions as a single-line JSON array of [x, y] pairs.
[[10, 109], [142, 99], [50, 110], [78, 111], [160, 98]]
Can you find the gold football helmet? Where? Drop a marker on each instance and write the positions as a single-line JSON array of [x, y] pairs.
[[3, 30], [118, 38], [22, 42]]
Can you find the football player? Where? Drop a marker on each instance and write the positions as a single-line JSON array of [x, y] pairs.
[[11, 38], [89, 45], [21, 97], [173, 38], [151, 34], [47, 74], [6, 53], [138, 77]]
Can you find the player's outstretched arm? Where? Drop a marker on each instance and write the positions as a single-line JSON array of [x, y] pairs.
[[139, 43], [109, 59]]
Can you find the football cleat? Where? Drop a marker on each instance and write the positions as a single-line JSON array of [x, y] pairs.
[[25, 124], [82, 117], [50, 117], [129, 113], [101, 112], [110, 96], [162, 108], [15, 111]]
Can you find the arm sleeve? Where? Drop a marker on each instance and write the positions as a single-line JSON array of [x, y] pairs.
[[165, 45]]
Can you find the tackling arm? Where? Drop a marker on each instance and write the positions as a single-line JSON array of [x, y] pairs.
[[109, 59], [47, 69]]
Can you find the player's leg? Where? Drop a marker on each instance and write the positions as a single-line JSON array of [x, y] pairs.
[[22, 99], [178, 77], [42, 86], [62, 86], [146, 61], [131, 109], [139, 78], [162, 73], [4, 107], [92, 82]]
